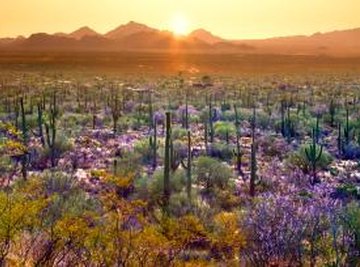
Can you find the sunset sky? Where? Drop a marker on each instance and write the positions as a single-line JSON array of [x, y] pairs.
[[232, 19]]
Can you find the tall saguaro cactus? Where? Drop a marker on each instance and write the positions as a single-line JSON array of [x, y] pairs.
[[186, 111], [94, 108], [187, 167], [151, 113], [154, 145], [287, 124], [167, 189], [50, 129], [339, 140], [238, 152], [40, 123], [317, 129], [115, 108], [23, 120], [24, 158], [206, 137], [211, 124], [347, 128], [253, 165]]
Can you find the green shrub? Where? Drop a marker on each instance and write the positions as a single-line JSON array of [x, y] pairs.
[[141, 185], [124, 123], [351, 222], [178, 133], [299, 159], [273, 146], [179, 203], [211, 173], [156, 185], [56, 182], [228, 115], [62, 145], [224, 129], [71, 120], [129, 162], [263, 120], [142, 147], [67, 197], [222, 151]]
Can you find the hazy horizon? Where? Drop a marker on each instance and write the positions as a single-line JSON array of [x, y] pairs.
[[203, 28], [229, 19]]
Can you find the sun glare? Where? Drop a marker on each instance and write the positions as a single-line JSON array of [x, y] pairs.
[[179, 25]]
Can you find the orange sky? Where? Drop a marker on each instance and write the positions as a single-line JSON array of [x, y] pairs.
[[233, 19]]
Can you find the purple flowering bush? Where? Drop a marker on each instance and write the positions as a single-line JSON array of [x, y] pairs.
[[293, 230]]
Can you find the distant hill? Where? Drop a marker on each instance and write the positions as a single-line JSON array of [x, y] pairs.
[[79, 33], [128, 29], [83, 32], [344, 43], [206, 36], [140, 37]]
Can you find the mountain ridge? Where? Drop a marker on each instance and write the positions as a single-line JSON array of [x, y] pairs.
[[138, 36]]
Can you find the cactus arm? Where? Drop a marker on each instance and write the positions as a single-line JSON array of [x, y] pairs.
[[183, 164], [320, 154]]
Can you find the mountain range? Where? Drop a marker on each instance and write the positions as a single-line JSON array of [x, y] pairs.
[[135, 36]]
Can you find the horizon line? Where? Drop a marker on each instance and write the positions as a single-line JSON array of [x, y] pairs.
[[185, 35]]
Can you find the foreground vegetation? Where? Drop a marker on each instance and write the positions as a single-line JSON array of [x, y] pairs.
[[194, 171]]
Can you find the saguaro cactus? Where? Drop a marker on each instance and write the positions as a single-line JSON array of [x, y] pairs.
[[339, 140], [151, 113], [313, 154], [174, 157], [253, 165], [347, 128], [238, 152], [23, 121], [17, 112], [40, 123], [317, 128], [211, 124], [187, 109], [287, 125], [167, 189], [206, 134], [50, 129], [115, 108], [94, 109], [187, 167], [185, 113], [24, 158], [154, 145]]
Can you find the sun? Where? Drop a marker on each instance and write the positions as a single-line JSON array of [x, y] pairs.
[[179, 25]]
